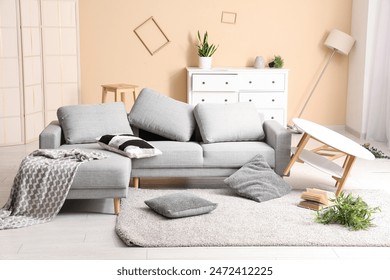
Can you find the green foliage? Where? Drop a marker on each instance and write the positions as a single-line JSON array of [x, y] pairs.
[[278, 61], [204, 48], [349, 211], [377, 153]]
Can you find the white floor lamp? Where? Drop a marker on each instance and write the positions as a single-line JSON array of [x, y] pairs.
[[337, 41]]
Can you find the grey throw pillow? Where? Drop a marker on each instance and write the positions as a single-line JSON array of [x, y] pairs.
[[180, 205], [84, 123], [229, 122], [257, 181], [163, 116]]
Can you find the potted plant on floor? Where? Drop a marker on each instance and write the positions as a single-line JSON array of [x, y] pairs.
[[352, 212], [205, 51]]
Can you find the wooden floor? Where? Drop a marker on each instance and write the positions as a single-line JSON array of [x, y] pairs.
[[84, 229]]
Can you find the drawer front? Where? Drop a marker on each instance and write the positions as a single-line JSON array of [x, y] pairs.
[[214, 97], [275, 114], [262, 82], [215, 82], [264, 99]]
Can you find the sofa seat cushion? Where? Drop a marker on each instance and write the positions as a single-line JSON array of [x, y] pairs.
[[174, 155], [236, 154], [111, 172]]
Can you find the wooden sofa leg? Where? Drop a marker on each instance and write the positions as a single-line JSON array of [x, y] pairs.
[[136, 182], [117, 205]]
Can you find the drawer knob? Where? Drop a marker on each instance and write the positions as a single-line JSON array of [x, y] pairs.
[[226, 100], [250, 82], [273, 82], [272, 118], [226, 83], [273, 100], [202, 100], [250, 100], [203, 83]]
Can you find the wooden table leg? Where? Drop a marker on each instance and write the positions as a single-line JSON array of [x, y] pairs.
[[347, 168], [301, 145], [116, 95], [104, 95], [123, 97], [134, 95]]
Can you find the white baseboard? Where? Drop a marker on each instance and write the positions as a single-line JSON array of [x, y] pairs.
[[355, 133]]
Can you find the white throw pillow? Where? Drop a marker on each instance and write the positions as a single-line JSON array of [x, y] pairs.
[[128, 145]]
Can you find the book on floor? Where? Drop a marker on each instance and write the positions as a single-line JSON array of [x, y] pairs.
[[313, 205], [315, 199]]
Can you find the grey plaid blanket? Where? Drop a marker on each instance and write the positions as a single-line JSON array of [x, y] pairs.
[[41, 186]]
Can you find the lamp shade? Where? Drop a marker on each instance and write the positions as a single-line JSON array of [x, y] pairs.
[[339, 41]]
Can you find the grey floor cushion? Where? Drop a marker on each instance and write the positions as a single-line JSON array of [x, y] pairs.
[[178, 205], [257, 181]]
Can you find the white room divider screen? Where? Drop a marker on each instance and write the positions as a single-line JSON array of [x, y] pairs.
[[39, 65]]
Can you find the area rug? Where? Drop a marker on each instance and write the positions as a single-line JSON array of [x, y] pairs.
[[241, 222]]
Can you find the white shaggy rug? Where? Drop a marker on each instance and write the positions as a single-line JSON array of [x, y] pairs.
[[241, 222]]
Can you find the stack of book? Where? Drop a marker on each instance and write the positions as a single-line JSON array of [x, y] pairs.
[[315, 199]]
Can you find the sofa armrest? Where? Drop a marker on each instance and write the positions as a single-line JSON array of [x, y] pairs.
[[51, 137], [279, 138]]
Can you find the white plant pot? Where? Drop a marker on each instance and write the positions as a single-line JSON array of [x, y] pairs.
[[205, 62]]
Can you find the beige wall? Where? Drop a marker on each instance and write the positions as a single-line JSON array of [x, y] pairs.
[[294, 29]]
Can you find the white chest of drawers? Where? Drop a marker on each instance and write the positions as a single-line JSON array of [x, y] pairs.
[[266, 88]]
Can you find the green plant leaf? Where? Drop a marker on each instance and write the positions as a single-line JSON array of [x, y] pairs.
[[349, 211], [204, 48], [376, 152]]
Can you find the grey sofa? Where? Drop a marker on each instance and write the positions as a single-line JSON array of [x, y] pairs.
[[197, 159], [109, 178]]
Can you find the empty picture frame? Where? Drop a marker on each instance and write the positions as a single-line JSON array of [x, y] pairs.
[[151, 35], [228, 17]]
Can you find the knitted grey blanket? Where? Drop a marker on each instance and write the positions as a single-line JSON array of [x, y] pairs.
[[41, 186]]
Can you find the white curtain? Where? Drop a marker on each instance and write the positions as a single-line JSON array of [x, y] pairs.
[[378, 110]]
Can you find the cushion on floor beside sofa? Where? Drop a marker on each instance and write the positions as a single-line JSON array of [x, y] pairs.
[[163, 115], [180, 205]]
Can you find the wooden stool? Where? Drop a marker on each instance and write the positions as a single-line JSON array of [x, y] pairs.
[[116, 89]]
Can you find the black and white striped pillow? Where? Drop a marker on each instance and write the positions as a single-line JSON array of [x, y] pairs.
[[128, 145]]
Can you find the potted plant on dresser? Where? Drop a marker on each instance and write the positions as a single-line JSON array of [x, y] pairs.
[[205, 51]]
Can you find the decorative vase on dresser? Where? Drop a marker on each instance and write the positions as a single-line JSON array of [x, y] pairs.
[[266, 88]]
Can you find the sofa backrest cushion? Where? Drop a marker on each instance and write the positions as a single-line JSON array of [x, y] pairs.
[[84, 123], [229, 122], [163, 116]]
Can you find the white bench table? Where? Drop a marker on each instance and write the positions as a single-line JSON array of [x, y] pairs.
[[335, 146]]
